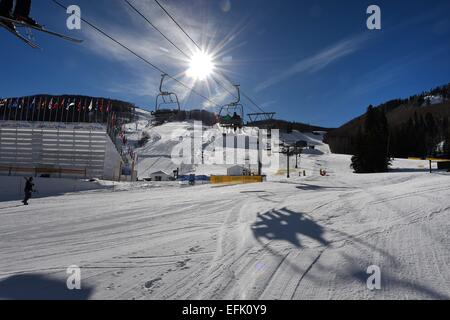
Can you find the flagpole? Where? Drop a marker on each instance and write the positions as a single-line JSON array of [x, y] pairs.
[[57, 107], [63, 110], [26, 114], [50, 107], [62, 107], [21, 109], [15, 113], [4, 109], [10, 107], [79, 109], [45, 109], [9, 110], [103, 110], [25, 103], [94, 108], [73, 112], [39, 110], [84, 109], [34, 107], [67, 111]]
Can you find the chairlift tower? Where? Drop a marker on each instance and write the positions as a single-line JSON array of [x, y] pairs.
[[292, 150]]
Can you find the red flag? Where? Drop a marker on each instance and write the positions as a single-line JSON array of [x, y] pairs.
[[100, 106], [55, 105]]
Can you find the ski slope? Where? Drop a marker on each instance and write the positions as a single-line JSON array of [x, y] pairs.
[[307, 237], [156, 155]]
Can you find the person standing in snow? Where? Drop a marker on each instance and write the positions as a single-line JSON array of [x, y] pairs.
[[29, 189]]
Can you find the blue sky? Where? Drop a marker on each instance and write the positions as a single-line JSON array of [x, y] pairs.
[[309, 61]]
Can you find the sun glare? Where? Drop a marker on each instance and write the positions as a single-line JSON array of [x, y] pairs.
[[200, 66]]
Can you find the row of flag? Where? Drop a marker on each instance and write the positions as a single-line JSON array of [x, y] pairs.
[[56, 103]]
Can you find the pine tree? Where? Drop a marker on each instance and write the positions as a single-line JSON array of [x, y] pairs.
[[371, 147], [446, 147]]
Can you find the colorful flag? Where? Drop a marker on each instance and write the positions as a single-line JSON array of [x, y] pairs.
[[56, 104], [91, 106], [33, 103], [100, 106], [50, 104], [72, 104]]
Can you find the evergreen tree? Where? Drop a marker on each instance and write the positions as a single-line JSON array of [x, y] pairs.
[[371, 149], [446, 131]]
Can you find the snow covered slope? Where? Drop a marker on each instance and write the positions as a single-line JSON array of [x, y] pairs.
[[432, 100], [307, 237], [156, 154]]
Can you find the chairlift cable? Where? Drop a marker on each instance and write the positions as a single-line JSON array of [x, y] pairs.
[[171, 42], [196, 44], [138, 55]]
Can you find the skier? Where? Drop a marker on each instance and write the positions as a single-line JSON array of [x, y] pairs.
[[20, 12], [29, 189]]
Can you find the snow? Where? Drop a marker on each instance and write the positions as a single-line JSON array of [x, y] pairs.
[[156, 154], [309, 237], [432, 100], [11, 188]]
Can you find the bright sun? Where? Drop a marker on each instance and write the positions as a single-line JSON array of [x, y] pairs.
[[200, 66]]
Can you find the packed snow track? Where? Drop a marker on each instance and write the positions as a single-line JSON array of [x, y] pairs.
[[305, 238]]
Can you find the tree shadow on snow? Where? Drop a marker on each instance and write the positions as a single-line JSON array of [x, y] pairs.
[[311, 187], [40, 287], [409, 170]]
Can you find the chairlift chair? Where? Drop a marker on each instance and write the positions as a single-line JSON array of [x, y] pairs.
[[232, 114], [164, 100]]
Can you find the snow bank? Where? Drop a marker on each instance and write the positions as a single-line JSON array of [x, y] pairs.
[[11, 188]]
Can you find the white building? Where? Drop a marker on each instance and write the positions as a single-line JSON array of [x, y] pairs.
[[236, 171], [75, 150], [160, 176]]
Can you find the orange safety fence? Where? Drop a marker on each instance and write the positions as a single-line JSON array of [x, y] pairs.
[[236, 179]]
